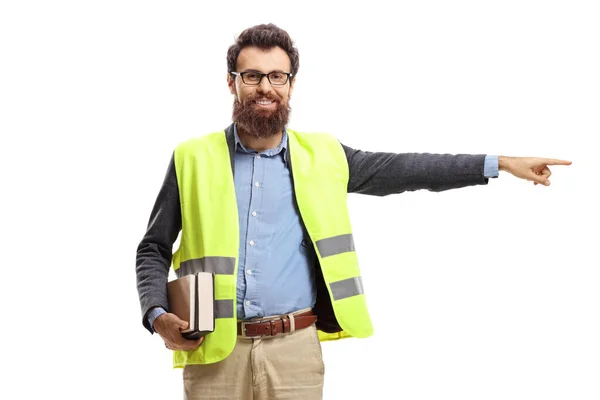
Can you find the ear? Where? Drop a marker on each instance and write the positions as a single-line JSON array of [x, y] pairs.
[[231, 83]]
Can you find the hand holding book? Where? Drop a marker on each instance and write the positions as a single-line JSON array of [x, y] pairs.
[[191, 306], [169, 327]]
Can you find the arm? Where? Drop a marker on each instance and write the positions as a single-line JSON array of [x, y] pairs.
[[154, 252], [381, 174]]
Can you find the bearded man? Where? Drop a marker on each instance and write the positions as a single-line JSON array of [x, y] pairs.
[[263, 207]]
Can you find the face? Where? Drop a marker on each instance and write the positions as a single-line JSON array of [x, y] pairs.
[[261, 110]]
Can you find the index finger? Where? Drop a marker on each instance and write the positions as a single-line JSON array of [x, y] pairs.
[[554, 161]]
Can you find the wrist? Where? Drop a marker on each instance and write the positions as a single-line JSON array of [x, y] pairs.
[[154, 314], [503, 162]]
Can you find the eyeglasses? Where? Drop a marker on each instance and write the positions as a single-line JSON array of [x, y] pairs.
[[276, 78]]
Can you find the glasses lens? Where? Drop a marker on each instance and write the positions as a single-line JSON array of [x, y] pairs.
[[251, 78], [277, 78]]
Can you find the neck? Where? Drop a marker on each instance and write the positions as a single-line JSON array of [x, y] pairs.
[[257, 143]]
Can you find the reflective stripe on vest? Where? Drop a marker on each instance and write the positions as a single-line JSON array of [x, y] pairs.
[[346, 288], [335, 245], [218, 265], [224, 308]]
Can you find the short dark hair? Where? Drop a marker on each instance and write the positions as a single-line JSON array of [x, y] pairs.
[[264, 36]]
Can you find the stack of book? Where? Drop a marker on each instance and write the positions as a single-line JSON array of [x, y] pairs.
[[191, 298]]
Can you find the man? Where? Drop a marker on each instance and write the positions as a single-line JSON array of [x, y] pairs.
[[264, 208]]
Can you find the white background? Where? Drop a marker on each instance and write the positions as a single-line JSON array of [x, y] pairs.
[[487, 292]]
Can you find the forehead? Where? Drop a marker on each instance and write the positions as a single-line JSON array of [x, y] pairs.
[[263, 60]]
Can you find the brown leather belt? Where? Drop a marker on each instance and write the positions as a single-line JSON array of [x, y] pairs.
[[277, 325]]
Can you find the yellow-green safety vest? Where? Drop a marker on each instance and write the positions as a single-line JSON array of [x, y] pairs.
[[209, 238]]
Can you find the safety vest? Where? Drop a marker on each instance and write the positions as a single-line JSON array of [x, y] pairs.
[[210, 232]]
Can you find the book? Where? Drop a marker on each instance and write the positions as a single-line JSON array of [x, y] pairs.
[[191, 298]]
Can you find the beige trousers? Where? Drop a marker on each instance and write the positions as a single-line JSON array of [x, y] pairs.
[[285, 366]]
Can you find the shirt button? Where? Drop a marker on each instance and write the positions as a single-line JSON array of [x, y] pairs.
[[254, 213], [256, 184], [258, 156], [251, 243], [249, 272], [247, 302]]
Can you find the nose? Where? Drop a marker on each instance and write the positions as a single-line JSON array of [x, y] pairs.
[[264, 86]]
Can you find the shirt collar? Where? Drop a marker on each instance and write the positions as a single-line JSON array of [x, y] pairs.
[[281, 148]]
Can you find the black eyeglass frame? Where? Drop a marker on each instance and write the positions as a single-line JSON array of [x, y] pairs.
[[241, 74]]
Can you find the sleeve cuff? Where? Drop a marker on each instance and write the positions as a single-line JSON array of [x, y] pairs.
[[153, 314], [490, 167]]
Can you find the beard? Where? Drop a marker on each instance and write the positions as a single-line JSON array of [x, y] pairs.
[[260, 123]]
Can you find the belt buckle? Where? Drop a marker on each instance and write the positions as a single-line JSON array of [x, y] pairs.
[[243, 323]]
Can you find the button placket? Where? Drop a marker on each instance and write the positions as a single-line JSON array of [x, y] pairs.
[[252, 238]]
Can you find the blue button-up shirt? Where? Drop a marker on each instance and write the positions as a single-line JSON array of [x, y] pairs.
[[275, 264]]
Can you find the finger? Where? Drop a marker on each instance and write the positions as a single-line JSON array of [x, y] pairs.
[[546, 172], [554, 161], [541, 179], [543, 173], [178, 322]]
